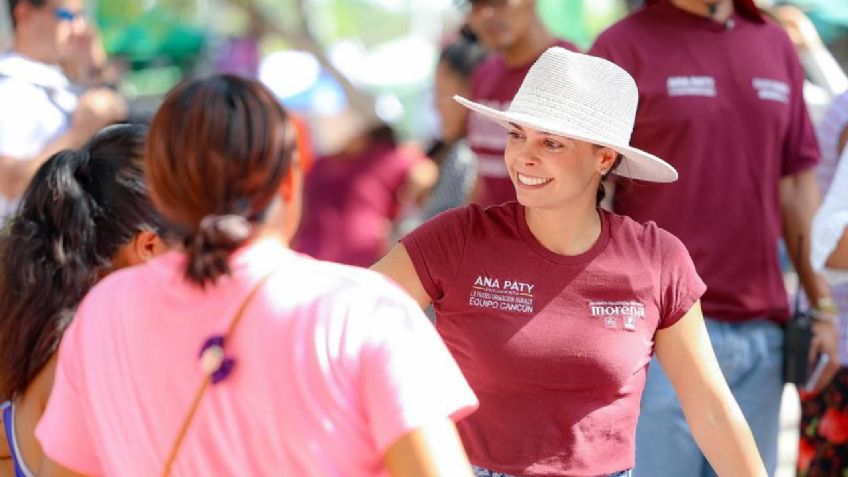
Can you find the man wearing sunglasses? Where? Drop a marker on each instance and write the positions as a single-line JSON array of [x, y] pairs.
[[40, 112]]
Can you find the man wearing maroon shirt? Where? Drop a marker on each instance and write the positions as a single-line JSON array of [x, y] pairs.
[[514, 32], [720, 99]]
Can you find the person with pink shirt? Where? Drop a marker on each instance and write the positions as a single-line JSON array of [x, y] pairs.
[[232, 354], [85, 214]]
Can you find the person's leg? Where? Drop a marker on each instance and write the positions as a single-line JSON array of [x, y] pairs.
[[664, 444], [760, 389], [754, 373]]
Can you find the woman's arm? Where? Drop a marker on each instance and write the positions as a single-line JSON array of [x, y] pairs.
[[717, 423], [49, 468], [429, 451], [398, 266]]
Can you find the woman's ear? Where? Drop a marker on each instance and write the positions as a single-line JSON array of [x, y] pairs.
[[147, 245], [141, 248], [293, 181], [607, 160], [291, 190]]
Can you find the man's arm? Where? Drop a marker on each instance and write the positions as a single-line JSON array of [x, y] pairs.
[[799, 200], [97, 109]]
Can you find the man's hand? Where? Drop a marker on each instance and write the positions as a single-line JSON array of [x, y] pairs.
[[98, 108], [825, 341]]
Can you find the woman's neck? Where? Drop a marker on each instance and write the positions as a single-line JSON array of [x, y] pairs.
[[526, 50], [565, 231]]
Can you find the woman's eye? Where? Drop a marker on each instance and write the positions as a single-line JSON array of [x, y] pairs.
[[515, 135], [552, 144]]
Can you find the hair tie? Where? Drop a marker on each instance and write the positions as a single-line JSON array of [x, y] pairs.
[[226, 231]]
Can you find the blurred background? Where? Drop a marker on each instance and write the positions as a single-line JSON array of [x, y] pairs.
[[321, 56], [325, 58]]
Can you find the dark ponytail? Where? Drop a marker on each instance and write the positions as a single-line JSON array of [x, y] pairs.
[[209, 248], [79, 209]]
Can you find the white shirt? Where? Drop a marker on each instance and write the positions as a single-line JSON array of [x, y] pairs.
[[36, 104], [830, 222]]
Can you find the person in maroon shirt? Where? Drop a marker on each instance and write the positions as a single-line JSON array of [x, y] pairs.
[[721, 99], [553, 307], [352, 198], [513, 31]]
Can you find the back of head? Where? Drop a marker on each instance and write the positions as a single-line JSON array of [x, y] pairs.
[[463, 55], [79, 209], [218, 150]]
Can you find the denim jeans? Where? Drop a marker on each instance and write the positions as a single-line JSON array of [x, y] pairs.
[[750, 355], [481, 472]]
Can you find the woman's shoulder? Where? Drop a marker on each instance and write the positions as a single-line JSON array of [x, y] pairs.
[[335, 282], [647, 234]]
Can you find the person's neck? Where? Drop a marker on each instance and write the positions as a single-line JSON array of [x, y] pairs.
[[31, 52], [527, 49], [723, 9], [570, 231]]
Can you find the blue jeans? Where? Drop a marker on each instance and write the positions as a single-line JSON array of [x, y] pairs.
[[750, 355], [481, 472]]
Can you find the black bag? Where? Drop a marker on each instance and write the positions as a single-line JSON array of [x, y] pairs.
[[797, 337]]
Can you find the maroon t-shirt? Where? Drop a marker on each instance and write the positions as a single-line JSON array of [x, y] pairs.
[[555, 347], [723, 104], [494, 84], [350, 203]]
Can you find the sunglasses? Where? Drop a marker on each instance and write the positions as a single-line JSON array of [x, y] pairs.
[[488, 3], [66, 15]]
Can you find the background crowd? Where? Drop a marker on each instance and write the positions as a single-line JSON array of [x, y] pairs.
[[754, 119]]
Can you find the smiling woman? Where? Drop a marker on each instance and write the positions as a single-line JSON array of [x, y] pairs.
[[553, 307]]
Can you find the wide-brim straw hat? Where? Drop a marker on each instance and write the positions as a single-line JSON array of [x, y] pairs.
[[585, 98]]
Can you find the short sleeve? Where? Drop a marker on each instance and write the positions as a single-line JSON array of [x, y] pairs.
[[63, 430], [800, 146], [408, 377], [681, 287], [601, 47], [830, 222], [436, 248], [608, 47], [15, 127]]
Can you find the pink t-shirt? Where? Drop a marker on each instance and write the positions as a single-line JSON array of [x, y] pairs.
[[555, 347], [724, 105], [333, 364], [351, 202], [494, 84]]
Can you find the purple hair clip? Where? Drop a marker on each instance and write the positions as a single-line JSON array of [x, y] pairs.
[[213, 361]]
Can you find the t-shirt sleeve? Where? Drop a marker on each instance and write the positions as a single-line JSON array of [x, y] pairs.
[[408, 377], [436, 248], [16, 125], [830, 223], [681, 286], [800, 147], [63, 430], [604, 47]]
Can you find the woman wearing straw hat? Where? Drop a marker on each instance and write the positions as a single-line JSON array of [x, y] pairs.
[[553, 306]]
